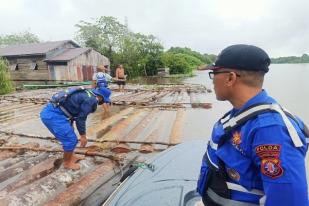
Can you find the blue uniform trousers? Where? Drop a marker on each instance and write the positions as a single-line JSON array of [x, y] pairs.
[[59, 125]]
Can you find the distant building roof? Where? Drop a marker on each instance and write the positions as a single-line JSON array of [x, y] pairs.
[[68, 55], [33, 49]]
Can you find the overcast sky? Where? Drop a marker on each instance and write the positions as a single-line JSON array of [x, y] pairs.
[[281, 27]]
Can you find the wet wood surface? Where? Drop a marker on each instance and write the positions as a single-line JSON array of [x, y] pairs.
[[143, 121]]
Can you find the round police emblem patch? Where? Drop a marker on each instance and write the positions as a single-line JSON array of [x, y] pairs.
[[271, 168]]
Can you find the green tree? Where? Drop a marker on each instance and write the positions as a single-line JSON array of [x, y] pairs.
[[304, 58], [149, 51], [18, 38], [129, 56], [211, 58], [181, 63], [188, 51], [192, 61], [105, 35], [177, 63], [5, 80], [291, 60], [140, 54]]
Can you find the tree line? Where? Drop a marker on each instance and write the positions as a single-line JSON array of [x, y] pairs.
[[291, 60], [140, 54]]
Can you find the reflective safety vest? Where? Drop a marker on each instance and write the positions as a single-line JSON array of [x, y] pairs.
[[213, 184], [101, 80]]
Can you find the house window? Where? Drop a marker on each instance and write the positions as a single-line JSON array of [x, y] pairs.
[[14, 67], [34, 66]]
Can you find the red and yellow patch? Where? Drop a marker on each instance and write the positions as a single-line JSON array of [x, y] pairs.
[[236, 139], [270, 162]]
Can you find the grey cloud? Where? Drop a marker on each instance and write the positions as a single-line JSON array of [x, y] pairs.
[[280, 27]]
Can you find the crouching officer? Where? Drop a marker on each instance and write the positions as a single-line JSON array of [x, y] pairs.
[[64, 108], [256, 155]]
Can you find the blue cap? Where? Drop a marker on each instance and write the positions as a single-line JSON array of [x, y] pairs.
[[243, 57], [103, 92]]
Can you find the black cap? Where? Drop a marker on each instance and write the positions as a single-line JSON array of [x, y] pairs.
[[243, 57]]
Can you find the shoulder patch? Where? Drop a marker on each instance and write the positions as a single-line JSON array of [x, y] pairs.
[[270, 162]]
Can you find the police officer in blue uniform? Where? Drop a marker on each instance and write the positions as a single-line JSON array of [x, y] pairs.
[[100, 81], [60, 113], [256, 155]]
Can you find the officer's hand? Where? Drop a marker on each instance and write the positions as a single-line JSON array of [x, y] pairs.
[[83, 140]]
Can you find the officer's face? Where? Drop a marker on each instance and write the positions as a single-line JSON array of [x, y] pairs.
[[221, 80]]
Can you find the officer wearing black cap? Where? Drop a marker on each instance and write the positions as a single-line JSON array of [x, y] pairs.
[[256, 154]]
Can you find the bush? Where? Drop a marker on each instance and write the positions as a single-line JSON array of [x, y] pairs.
[[5, 79], [180, 63], [202, 58]]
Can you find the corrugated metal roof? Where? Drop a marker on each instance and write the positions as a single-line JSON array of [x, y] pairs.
[[33, 49], [68, 55]]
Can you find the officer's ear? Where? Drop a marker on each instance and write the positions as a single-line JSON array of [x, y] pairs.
[[231, 79]]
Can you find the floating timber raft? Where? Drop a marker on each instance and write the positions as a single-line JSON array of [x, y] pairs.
[[144, 120]]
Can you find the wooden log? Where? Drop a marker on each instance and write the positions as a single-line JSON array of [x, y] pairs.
[[85, 186], [15, 106], [5, 154], [123, 128], [11, 161], [33, 173], [22, 148], [98, 128], [23, 115], [132, 135], [45, 188], [18, 110], [19, 167], [83, 151], [176, 132]]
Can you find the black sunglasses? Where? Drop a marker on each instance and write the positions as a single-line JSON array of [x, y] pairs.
[[212, 74]]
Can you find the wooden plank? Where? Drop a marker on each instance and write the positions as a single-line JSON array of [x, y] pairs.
[[34, 75], [176, 132]]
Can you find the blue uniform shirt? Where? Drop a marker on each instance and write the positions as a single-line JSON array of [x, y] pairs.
[[80, 105], [260, 157]]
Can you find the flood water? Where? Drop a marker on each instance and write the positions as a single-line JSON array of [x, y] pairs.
[[287, 83]]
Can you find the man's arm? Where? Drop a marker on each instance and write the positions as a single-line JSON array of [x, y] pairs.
[[85, 109], [281, 166], [83, 140]]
